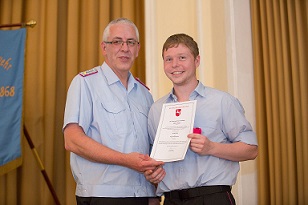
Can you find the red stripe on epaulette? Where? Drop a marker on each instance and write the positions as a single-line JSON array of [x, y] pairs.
[[142, 83]]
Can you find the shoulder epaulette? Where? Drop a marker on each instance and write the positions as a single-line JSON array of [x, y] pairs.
[[142, 83], [88, 72]]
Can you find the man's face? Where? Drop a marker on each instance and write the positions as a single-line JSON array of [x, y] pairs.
[[180, 65], [120, 57]]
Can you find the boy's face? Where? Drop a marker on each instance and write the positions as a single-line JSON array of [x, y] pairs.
[[180, 65]]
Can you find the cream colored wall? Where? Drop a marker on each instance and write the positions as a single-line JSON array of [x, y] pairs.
[[222, 30], [201, 19], [171, 16]]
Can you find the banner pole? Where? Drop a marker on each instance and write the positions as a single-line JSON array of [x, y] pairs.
[[30, 23], [41, 165]]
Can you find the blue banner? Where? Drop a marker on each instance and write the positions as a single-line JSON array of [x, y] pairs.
[[12, 49]]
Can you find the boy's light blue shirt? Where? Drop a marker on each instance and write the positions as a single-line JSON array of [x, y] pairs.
[[221, 118]]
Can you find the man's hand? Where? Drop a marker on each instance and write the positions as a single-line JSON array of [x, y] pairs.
[[141, 162]]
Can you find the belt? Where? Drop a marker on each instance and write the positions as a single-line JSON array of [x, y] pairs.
[[195, 192]]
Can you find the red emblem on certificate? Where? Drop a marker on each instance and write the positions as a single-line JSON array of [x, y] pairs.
[[177, 112]]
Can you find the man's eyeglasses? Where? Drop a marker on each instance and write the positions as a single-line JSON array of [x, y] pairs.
[[129, 43]]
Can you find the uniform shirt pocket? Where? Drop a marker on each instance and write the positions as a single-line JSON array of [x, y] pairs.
[[115, 117]]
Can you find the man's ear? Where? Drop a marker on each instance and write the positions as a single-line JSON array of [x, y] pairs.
[[103, 46]]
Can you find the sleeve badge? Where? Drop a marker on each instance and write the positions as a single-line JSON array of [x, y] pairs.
[[88, 72]]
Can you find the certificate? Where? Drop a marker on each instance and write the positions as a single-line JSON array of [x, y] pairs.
[[176, 122]]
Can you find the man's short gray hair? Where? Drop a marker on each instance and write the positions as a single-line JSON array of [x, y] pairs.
[[119, 21]]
